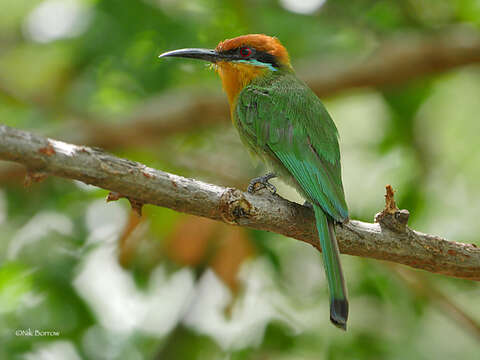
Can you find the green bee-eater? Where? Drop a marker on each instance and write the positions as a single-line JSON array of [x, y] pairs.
[[283, 122]]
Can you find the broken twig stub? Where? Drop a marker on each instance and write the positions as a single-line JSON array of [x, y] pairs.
[[392, 217], [135, 204]]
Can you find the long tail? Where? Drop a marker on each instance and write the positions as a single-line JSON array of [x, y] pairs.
[[333, 269]]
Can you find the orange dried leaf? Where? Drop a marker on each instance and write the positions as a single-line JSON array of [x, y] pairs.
[[189, 242], [234, 249]]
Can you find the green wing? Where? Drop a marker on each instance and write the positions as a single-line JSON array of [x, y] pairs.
[[279, 117], [284, 122]]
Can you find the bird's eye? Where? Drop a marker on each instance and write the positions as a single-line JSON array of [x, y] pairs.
[[245, 52]]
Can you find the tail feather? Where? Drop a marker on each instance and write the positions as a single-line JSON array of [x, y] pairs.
[[333, 270]]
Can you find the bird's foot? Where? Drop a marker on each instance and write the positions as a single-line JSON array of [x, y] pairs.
[[308, 204], [262, 180]]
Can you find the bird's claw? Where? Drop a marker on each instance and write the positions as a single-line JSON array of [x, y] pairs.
[[262, 180], [308, 204]]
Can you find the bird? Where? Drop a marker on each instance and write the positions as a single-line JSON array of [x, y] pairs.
[[283, 122]]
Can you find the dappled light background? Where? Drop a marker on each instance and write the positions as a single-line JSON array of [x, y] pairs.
[[174, 286]]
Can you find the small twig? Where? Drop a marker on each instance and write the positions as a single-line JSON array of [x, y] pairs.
[[130, 237], [419, 285], [391, 217]]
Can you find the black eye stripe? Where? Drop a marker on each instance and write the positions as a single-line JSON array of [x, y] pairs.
[[262, 56], [267, 58]]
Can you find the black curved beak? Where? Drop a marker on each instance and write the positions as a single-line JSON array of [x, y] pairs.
[[202, 54]]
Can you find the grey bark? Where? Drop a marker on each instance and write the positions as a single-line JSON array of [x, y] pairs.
[[390, 239]]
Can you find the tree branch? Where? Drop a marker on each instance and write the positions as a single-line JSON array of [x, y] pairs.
[[395, 62], [142, 184]]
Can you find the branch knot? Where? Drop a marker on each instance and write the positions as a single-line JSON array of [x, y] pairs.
[[233, 206]]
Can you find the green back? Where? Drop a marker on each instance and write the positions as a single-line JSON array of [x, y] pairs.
[[280, 118]]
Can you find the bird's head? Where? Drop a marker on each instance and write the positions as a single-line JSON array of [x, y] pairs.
[[241, 59]]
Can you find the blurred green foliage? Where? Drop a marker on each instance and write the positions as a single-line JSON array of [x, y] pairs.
[[63, 61]]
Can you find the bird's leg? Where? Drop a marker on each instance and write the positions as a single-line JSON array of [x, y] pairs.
[[263, 180]]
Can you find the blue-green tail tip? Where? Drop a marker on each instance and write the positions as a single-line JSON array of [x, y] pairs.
[[339, 313]]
